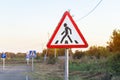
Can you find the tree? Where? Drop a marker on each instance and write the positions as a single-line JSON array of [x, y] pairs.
[[78, 54], [38, 55], [61, 51], [114, 43], [98, 51], [20, 55]]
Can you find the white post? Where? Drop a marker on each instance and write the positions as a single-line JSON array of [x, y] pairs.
[[45, 56], [32, 64], [55, 53], [3, 63], [27, 61], [66, 64], [26, 77]]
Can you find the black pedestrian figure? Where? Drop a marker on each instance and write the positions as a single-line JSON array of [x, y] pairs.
[[66, 33]]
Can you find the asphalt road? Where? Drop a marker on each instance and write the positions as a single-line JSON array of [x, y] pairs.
[[15, 73]]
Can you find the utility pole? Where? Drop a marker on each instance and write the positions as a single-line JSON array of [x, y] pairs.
[[46, 50]]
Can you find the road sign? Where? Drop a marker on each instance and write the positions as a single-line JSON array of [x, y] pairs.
[[32, 53], [3, 55], [27, 56], [67, 34]]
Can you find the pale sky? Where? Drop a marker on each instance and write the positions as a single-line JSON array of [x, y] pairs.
[[26, 24]]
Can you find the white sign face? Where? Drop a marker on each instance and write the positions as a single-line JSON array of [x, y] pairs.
[[67, 34]]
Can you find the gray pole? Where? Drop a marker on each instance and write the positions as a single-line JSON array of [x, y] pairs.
[[66, 64], [45, 56], [3, 63], [32, 64], [27, 61], [55, 52]]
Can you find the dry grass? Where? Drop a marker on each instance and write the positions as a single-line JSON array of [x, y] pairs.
[[45, 71]]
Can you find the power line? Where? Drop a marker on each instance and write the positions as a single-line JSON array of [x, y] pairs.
[[90, 11]]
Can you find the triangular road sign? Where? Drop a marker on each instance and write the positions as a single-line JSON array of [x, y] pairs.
[[67, 34]]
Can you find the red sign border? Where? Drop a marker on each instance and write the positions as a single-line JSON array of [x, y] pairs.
[[77, 29]]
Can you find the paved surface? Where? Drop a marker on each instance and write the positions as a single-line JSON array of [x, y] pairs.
[[15, 73]]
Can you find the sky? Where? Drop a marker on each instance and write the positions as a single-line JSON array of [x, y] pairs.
[[28, 24]]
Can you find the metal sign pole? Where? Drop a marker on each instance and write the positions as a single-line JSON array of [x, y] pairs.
[[66, 64], [55, 53], [32, 64], [3, 63], [27, 61], [45, 56]]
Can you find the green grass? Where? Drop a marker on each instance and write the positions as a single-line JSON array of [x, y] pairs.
[[90, 67], [86, 69], [75, 77]]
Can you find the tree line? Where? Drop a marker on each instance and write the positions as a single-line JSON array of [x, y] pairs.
[[113, 45]]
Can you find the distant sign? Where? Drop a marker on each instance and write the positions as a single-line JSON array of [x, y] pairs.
[[3, 55], [32, 54], [27, 56]]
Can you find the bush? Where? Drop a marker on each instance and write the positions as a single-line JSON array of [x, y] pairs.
[[52, 59], [78, 54], [114, 63]]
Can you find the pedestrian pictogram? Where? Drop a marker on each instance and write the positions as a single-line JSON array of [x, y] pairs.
[[67, 34], [32, 54]]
